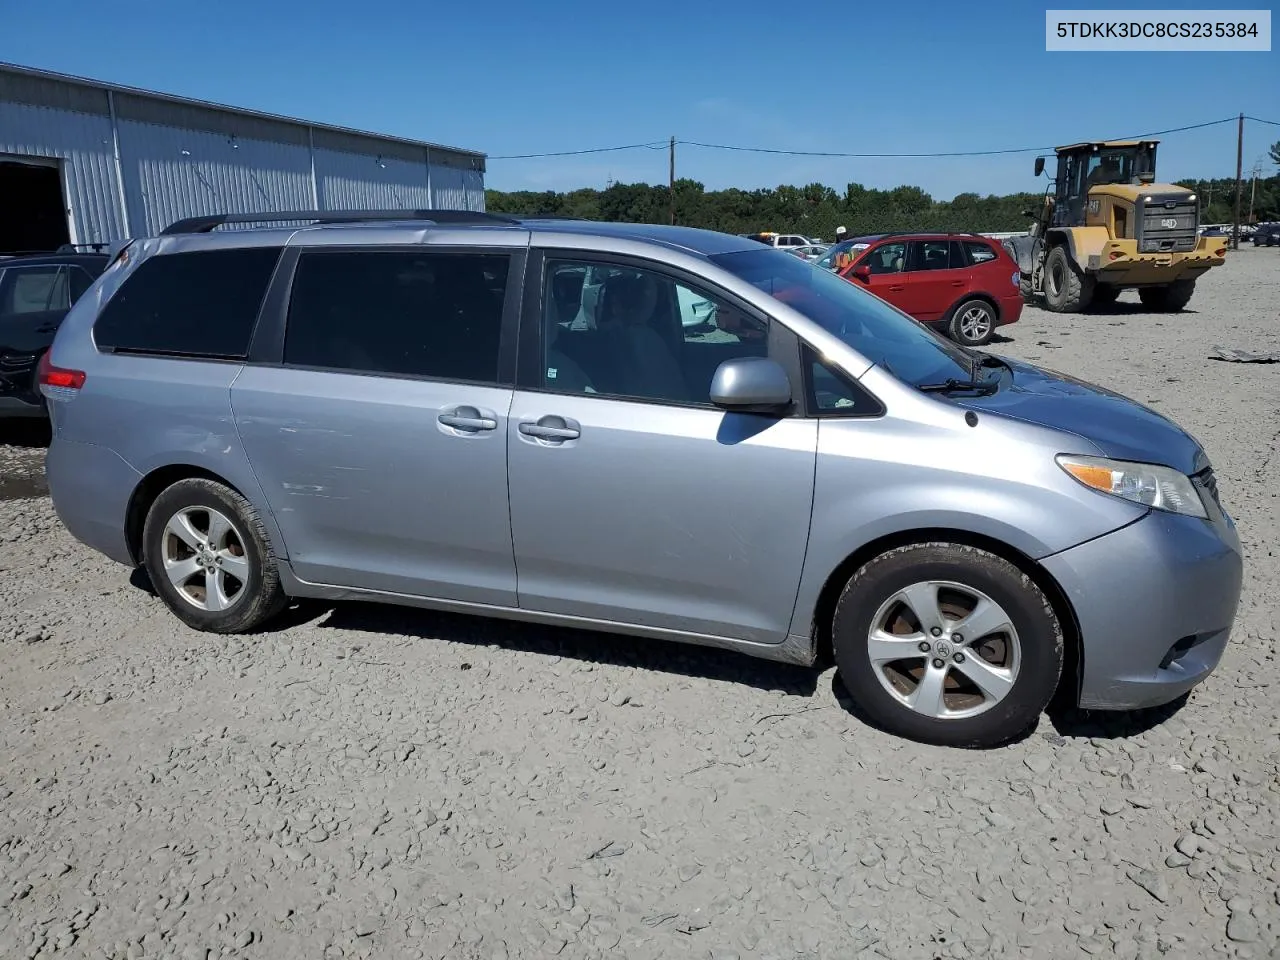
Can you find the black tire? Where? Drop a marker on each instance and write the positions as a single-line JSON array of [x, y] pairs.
[[1066, 289], [1036, 645], [1026, 288], [972, 323], [258, 596], [1105, 294], [1168, 299]]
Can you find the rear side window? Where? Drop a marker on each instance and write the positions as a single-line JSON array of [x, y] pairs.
[[979, 252], [431, 314], [34, 290], [198, 304]]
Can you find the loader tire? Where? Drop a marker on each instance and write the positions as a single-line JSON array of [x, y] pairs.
[[1066, 289], [1168, 299]]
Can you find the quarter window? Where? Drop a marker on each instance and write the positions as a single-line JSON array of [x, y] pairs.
[[197, 304], [635, 333], [979, 252], [832, 394], [417, 314]]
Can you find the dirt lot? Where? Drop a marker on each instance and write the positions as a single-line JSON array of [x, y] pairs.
[[369, 781]]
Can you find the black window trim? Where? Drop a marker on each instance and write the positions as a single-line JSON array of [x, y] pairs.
[[783, 344], [184, 354], [267, 347], [810, 355]]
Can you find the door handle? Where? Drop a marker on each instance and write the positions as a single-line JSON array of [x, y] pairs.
[[957, 283], [897, 286], [552, 428], [468, 419]]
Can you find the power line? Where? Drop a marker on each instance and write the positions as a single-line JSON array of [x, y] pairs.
[[957, 153], [654, 145], [664, 144], [1274, 123]]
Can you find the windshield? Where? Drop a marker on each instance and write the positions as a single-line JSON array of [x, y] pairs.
[[1118, 165], [888, 338]]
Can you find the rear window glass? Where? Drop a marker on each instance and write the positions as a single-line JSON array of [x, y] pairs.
[[199, 304]]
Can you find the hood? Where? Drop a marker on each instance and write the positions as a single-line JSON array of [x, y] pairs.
[[1119, 427]]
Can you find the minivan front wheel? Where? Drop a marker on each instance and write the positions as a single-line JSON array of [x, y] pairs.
[[208, 557], [947, 644]]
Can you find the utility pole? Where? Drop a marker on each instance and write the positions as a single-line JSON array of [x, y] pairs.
[[671, 181], [1235, 233], [1253, 192]]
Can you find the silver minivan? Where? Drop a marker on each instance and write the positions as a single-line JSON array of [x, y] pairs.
[[419, 408]]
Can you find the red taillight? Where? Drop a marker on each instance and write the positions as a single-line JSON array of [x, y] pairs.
[[51, 376]]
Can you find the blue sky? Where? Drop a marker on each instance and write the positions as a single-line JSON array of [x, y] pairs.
[[517, 78]]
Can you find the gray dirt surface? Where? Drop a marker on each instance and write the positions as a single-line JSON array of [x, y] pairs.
[[374, 782]]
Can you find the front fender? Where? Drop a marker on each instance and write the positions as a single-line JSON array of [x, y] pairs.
[[999, 481]]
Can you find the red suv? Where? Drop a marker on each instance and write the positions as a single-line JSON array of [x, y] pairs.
[[961, 282]]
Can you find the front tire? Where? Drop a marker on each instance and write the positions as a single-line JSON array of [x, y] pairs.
[[947, 644], [208, 557], [1168, 299], [1066, 289], [972, 323]]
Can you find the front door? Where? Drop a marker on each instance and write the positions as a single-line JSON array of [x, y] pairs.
[[937, 277], [888, 279], [633, 499], [381, 441]]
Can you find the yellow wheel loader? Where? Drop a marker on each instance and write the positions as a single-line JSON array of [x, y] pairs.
[[1106, 226]]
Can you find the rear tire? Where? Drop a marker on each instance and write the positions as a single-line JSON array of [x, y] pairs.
[[980, 690], [208, 556], [1168, 299], [972, 323], [1066, 289]]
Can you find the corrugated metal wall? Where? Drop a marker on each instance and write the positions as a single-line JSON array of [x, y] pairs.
[[185, 159], [82, 142], [170, 173]]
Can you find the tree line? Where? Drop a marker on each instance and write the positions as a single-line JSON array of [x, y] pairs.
[[816, 210]]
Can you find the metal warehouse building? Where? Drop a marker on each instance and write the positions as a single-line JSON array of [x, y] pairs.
[[88, 162]]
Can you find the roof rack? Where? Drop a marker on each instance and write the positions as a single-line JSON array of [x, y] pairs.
[[208, 223]]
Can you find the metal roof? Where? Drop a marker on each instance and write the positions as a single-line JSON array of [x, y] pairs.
[[1106, 143], [223, 108]]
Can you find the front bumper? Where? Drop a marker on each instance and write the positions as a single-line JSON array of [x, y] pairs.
[[1121, 264], [1155, 602]]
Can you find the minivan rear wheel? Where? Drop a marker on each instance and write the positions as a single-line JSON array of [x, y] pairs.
[[209, 558], [947, 644]]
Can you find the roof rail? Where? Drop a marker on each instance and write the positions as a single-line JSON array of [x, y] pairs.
[[208, 223]]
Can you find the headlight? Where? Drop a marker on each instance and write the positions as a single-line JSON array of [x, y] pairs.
[[1161, 488]]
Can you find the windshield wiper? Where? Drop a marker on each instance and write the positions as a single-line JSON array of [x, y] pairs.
[[952, 385]]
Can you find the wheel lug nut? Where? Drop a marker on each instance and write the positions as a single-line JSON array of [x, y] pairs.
[[957, 638], [936, 631], [938, 663], [958, 658], [924, 646]]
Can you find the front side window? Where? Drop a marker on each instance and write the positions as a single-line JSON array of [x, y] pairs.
[[634, 333], [430, 314], [886, 258], [201, 303], [884, 335], [34, 290]]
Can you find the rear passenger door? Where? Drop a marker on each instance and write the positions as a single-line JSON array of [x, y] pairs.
[[374, 413], [633, 499], [937, 277]]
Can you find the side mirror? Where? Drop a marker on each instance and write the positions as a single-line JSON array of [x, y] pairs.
[[862, 271], [751, 385], [1039, 165]]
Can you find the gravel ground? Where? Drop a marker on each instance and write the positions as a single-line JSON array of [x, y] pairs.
[[368, 781]]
